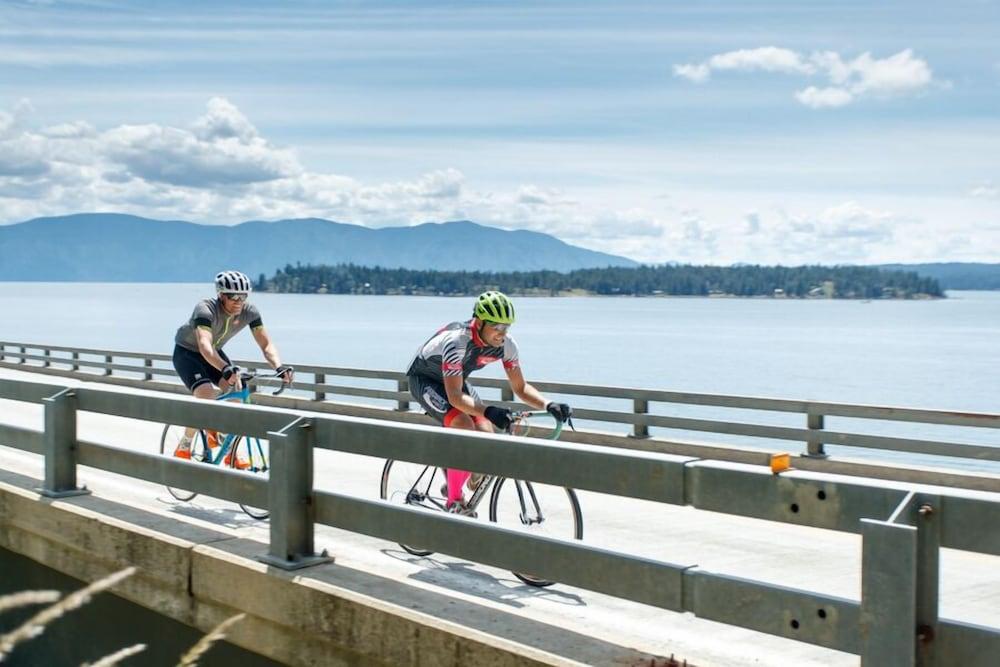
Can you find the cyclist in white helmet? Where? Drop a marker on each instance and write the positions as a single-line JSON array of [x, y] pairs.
[[198, 356]]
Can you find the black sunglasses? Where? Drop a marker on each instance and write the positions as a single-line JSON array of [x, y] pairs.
[[232, 296]]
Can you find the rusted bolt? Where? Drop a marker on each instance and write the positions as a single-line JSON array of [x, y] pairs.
[[925, 510]]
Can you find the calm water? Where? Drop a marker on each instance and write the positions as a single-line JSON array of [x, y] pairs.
[[936, 354]]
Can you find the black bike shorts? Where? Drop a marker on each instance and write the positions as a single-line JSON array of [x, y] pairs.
[[433, 398], [193, 368]]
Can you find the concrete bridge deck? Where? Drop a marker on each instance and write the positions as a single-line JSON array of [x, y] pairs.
[[578, 625]]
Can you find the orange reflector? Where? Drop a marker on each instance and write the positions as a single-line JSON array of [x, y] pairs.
[[780, 462]]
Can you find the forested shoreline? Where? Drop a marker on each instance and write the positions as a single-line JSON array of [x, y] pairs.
[[836, 282]]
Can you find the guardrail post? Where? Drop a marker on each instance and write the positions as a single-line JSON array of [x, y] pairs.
[[23, 352], [3, 347], [506, 394], [108, 359], [403, 405], [148, 363], [640, 406], [900, 570], [76, 357], [888, 594], [60, 446], [320, 378], [814, 445], [925, 515], [47, 353], [290, 498]]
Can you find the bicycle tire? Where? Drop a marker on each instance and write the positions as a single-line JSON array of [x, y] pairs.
[[250, 450], [398, 485], [168, 443], [561, 523]]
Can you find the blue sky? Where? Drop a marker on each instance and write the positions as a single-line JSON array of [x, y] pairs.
[[695, 132]]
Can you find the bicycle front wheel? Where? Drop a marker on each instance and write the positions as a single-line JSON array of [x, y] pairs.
[[414, 485], [250, 455], [172, 435], [538, 509]]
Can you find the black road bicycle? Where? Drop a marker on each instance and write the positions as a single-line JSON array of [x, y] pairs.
[[540, 509]]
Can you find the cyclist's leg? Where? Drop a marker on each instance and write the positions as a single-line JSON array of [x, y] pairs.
[[480, 424], [199, 377], [433, 398]]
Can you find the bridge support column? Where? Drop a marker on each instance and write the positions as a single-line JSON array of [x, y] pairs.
[[402, 405], [319, 378], [290, 498], [640, 406], [814, 445], [899, 585], [60, 446]]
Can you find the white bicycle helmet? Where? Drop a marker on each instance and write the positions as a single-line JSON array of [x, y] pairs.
[[232, 282]]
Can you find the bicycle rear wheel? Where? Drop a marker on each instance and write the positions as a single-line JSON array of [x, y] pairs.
[[172, 435], [538, 509], [415, 485], [250, 455]]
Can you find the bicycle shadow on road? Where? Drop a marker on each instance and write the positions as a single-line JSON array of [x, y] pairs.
[[465, 577], [220, 516]]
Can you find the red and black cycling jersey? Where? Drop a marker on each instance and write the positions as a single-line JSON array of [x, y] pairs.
[[457, 350]]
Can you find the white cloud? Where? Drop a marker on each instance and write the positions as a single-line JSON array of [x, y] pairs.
[[986, 191], [767, 58], [823, 98], [219, 169], [898, 74], [696, 73], [222, 148]]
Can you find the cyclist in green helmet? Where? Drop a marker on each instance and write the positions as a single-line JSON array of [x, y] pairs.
[[439, 371]]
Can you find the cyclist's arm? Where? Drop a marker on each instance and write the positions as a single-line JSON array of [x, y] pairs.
[[269, 349], [522, 389], [209, 353], [458, 398]]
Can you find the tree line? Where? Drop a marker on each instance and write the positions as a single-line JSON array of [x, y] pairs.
[[842, 282]]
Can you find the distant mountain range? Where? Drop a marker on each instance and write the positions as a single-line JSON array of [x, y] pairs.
[[957, 275], [111, 247]]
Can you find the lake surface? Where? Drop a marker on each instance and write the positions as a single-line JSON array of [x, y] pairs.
[[936, 354]]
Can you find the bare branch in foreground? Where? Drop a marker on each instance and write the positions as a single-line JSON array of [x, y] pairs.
[[35, 625], [190, 659]]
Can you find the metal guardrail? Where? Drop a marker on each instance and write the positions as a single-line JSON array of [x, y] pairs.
[[815, 436], [902, 527]]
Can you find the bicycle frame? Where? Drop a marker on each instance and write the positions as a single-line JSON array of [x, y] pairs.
[[488, 480], [231, 440]]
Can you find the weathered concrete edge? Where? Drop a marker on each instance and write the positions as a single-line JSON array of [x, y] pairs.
[[293, 618]]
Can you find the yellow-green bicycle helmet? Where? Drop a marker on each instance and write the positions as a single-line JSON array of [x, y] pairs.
[[494, 307]]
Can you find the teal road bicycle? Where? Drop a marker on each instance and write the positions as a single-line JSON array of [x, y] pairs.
[[540, 509], [240, 452]]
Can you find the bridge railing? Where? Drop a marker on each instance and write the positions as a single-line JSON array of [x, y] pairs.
[[902, 527], [639, 417]]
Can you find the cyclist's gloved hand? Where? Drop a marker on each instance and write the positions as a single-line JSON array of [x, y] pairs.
[[231, 375], [560, 411], [500, 417], [286, 373]]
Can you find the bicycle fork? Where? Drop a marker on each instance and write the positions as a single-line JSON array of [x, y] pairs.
[[525, 518]]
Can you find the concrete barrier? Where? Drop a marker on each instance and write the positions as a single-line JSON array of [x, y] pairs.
[[328, 615]]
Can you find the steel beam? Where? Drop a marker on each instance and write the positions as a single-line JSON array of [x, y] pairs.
[[290, 498], [60, 446]]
